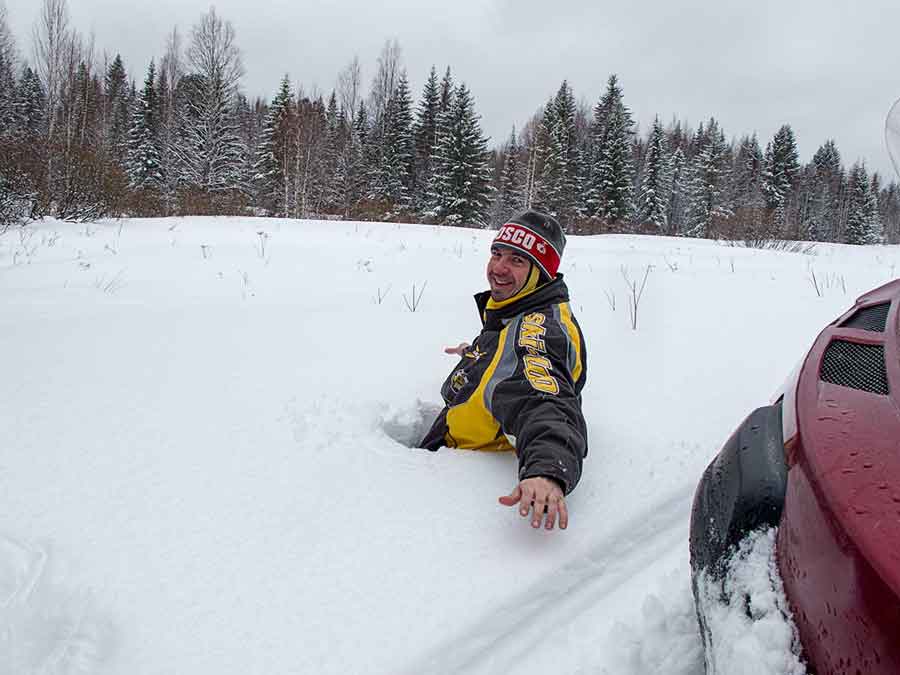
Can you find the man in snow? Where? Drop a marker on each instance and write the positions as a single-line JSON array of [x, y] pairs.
[[518, 386]]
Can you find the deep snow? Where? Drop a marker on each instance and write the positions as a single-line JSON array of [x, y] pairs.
[[204, 461]]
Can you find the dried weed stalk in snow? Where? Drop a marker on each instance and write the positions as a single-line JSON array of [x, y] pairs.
[[634, 299], [412, 302], [380, 295], [111, 284]]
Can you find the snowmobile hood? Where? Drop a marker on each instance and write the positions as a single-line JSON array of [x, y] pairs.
[[848, 414]]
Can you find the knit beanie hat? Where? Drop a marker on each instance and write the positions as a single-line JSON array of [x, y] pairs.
[[538, 237]]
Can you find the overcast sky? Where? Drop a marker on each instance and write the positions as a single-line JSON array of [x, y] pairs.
[[831, 69]]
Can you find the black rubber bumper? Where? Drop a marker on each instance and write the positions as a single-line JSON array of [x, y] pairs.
[[741, 490]]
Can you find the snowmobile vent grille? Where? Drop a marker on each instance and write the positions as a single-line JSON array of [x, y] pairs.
[[857, 366], [872, 318]]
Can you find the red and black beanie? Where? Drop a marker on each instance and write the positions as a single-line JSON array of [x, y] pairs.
[[537, 236]]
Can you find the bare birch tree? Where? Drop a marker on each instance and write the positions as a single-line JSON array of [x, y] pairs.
[[387, 76], [8, 51], [52, 36], [172, 62], [171, 71], [348, 87], [213, 53]]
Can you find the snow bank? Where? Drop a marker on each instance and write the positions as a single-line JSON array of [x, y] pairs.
[[750, 621]]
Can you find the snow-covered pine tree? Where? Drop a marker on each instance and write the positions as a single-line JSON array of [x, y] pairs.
[[86, 102], [462, 171], [431, 198], [20, 196], [355, 160], [445, 100], [542, 154], [611, 170], [213, 152], [30, 104], [823, 210], [746, 190], [709, 179], [509, 197], [890, 213], [116, 110], [863, 226], [780, 173], [249, 126], [7, 97], [426, 137], [274, 154], [143, 165], [336, 136], [678, 188], [371, 161], [558, 181], [184, 119], [875, 233], [677, 137], [399, 149], [584, 146], [16, 194], [638, 156], [747, 174], [653, 198]]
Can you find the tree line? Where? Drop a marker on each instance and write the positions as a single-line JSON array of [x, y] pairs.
[[79, 140]]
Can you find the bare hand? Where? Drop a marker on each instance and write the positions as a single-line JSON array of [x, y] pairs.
[[458, 350], [539, 496]]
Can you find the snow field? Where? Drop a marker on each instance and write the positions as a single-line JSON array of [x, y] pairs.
[[206, 435]]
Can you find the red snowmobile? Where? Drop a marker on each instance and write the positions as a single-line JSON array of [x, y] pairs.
[[823, 465]]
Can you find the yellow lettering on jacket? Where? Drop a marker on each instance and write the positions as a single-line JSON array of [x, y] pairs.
[[537, 366], [537, 370], [531, 336]]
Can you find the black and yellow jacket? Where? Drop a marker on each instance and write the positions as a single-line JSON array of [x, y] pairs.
[[519, 386]]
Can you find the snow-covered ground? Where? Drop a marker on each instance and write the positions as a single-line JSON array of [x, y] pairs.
[[204, 465]]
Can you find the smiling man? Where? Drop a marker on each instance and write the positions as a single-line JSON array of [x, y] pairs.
[[518, 385]]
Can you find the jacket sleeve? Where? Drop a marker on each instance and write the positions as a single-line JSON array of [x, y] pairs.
[[539, 405]]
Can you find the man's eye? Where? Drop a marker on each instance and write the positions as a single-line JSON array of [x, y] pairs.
[[518, 261]]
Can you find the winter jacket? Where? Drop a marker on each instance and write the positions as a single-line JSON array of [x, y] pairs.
[[518, 386]]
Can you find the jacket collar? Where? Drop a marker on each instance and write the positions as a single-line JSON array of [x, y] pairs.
[[548, 294]]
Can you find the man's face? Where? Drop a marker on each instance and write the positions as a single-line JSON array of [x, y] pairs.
[[507, 272]]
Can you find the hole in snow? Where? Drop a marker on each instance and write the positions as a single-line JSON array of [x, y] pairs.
[[408, 425]]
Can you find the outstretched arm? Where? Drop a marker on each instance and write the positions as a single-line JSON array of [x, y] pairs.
[[539, 410]]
